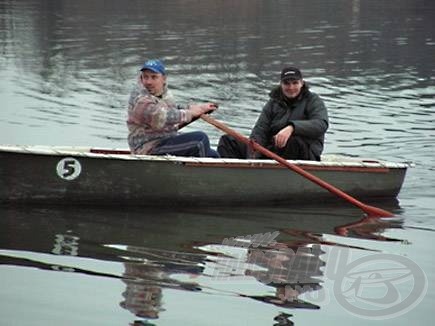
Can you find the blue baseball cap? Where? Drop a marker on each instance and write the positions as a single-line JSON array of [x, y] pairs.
[[154, 65]]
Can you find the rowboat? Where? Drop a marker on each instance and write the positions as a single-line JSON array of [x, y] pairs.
[[100, 176]]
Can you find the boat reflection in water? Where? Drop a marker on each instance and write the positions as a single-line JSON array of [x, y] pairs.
[[276, 250], [290, 273]]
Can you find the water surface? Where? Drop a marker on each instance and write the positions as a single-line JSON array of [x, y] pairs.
[[66, 69]]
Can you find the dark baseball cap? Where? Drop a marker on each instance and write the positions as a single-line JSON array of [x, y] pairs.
[[291, 73]]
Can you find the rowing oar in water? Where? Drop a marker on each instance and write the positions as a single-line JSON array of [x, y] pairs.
[[369, 210]]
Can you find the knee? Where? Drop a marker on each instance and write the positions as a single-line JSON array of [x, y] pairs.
[[225, 139], [200, 134]]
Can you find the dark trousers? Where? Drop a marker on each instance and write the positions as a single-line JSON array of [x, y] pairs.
[[295, 149], [194, 144]]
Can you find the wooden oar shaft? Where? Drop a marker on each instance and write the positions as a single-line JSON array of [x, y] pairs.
[[370, 210]]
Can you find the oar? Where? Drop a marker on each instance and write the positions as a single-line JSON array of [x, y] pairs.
[[369, 210]]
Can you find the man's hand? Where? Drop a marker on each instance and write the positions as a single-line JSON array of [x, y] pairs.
[[282, 137], [199, 109]]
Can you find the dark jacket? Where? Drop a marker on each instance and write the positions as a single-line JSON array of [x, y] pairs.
[[307, 113]]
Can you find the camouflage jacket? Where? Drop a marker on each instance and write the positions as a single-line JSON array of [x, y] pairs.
[[152, 118]]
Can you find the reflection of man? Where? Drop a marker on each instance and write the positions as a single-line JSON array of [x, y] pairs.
[[142, 297], [146, 280], [272, 263], [291, 273]]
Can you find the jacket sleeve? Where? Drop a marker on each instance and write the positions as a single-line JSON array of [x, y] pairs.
[[316, 122], [157, 114], [260, 132]]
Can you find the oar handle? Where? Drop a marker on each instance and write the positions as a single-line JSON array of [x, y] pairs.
[[370, 210]]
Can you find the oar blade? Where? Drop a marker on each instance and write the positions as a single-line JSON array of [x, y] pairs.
[[372, 211]]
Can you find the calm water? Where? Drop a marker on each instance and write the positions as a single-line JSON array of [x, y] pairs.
[[66, 68]]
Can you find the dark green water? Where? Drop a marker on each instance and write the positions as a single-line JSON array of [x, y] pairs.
[[66, 68]]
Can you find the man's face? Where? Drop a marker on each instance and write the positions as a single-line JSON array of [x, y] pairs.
[[292, 88], [153, 82]]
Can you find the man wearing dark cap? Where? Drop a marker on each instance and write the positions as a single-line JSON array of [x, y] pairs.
[[154, 119], [292, 123]]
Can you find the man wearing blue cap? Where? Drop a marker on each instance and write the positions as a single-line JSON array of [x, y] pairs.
[[154, 119], [292, 123]]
